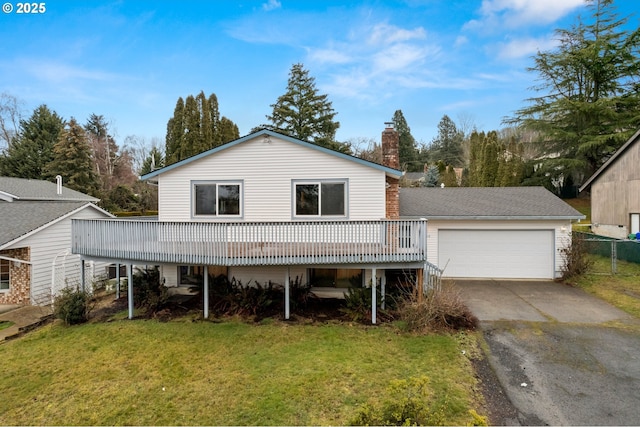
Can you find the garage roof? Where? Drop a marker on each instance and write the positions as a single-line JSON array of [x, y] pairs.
[[484, 203]]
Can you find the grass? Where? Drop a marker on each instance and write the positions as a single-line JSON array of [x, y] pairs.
[[5, 324], [144, 372], [621, 289], [582, 205]]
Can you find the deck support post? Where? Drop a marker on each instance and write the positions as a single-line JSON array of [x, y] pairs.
[[130, 289], [373, 296], [287, 312], [206, 292], [117, 281], [383, 289], [82, 275]]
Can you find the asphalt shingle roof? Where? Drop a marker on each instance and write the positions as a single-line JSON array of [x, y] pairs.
[[33, 204], [31, 189], [20, 218], [484, 202]]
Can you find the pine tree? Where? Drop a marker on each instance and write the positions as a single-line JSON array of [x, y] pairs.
[[450, 179], [72, 160], [590, 92], [447, 145], [407, 150], [154, 161], [304, 114]]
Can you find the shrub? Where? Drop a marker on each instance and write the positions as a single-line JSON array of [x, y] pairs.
[[575, 258], [72, 306], [439, 310], [148, 291], [406, 402], [231, 297]]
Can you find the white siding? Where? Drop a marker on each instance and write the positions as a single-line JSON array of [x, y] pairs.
[[561, 229], [267, 171], [45, 245]]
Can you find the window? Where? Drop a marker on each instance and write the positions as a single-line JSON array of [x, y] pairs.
[[4, 275], [320, 199], [217, 199]]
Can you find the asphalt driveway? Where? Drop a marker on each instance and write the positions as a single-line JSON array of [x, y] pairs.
[[562, 356]]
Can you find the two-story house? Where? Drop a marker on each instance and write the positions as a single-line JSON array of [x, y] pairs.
[[268, 207]]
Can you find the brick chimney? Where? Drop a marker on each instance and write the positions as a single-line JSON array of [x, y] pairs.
[[391, 158]]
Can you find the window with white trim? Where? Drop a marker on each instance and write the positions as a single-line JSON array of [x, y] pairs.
[[320, 199], [5, 278], [222, 199]]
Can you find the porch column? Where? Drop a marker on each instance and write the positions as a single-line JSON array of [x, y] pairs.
[[373, 295], [130, 289], [82, 274], [383, 286], [206, 292], [286, 295], [117, 281]]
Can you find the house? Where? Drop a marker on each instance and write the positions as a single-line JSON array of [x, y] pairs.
[[493, 232], [268, 207], [35, 238], [615, 192]]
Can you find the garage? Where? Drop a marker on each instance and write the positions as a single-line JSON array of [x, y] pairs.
[[505, 254]]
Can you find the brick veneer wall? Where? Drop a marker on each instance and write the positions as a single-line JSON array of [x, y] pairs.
[[391, 158], [19, 276]]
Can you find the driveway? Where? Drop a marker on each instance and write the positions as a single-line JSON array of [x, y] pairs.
[[562, 356]]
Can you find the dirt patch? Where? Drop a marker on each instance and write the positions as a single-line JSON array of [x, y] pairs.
[[498, 407]]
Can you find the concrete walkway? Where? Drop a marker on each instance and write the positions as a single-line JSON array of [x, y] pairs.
[[24, 318], [562, 356]]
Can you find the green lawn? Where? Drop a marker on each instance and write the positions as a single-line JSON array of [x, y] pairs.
[[621, 289], [144, 372], [582, 205]]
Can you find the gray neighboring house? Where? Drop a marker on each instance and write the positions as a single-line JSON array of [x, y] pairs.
[[493, 232], [35, 238], [615, 192]]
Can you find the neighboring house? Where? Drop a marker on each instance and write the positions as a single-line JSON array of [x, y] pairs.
[[268, 207], [35, 236], [615, 192], [493, 232]]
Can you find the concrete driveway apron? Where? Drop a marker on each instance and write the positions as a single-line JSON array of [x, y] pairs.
[[562, 356]]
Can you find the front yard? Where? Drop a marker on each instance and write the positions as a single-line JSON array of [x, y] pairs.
[[185, 372]]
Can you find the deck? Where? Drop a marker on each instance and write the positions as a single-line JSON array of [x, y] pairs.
[[252, 243]]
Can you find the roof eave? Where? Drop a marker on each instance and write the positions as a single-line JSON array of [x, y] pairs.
[[498, 217]]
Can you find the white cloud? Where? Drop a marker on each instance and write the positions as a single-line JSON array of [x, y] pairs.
[[329, 56], [271, 5], [516, 13], [389, 34], [520, 48]]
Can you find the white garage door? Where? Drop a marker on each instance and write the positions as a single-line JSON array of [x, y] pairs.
[[506, 254]]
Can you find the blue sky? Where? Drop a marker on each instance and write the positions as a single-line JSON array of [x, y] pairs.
[[131, 60]]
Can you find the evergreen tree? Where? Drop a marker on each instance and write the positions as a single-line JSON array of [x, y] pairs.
[[590, 92], [407, 150], [228, 131], [196, 127], [175, 133], [32, 149], [449, 178], [154, 161], [72, 160], [304, 114], [432, 176], [447, 146]]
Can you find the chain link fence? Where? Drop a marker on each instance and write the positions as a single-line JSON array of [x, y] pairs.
[[614, 249]]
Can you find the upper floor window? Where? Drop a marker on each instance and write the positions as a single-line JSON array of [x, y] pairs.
[[217, 199], [320, 199], [4, 275]]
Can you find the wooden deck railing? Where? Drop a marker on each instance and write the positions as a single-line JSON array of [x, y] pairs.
[[252, 243]]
